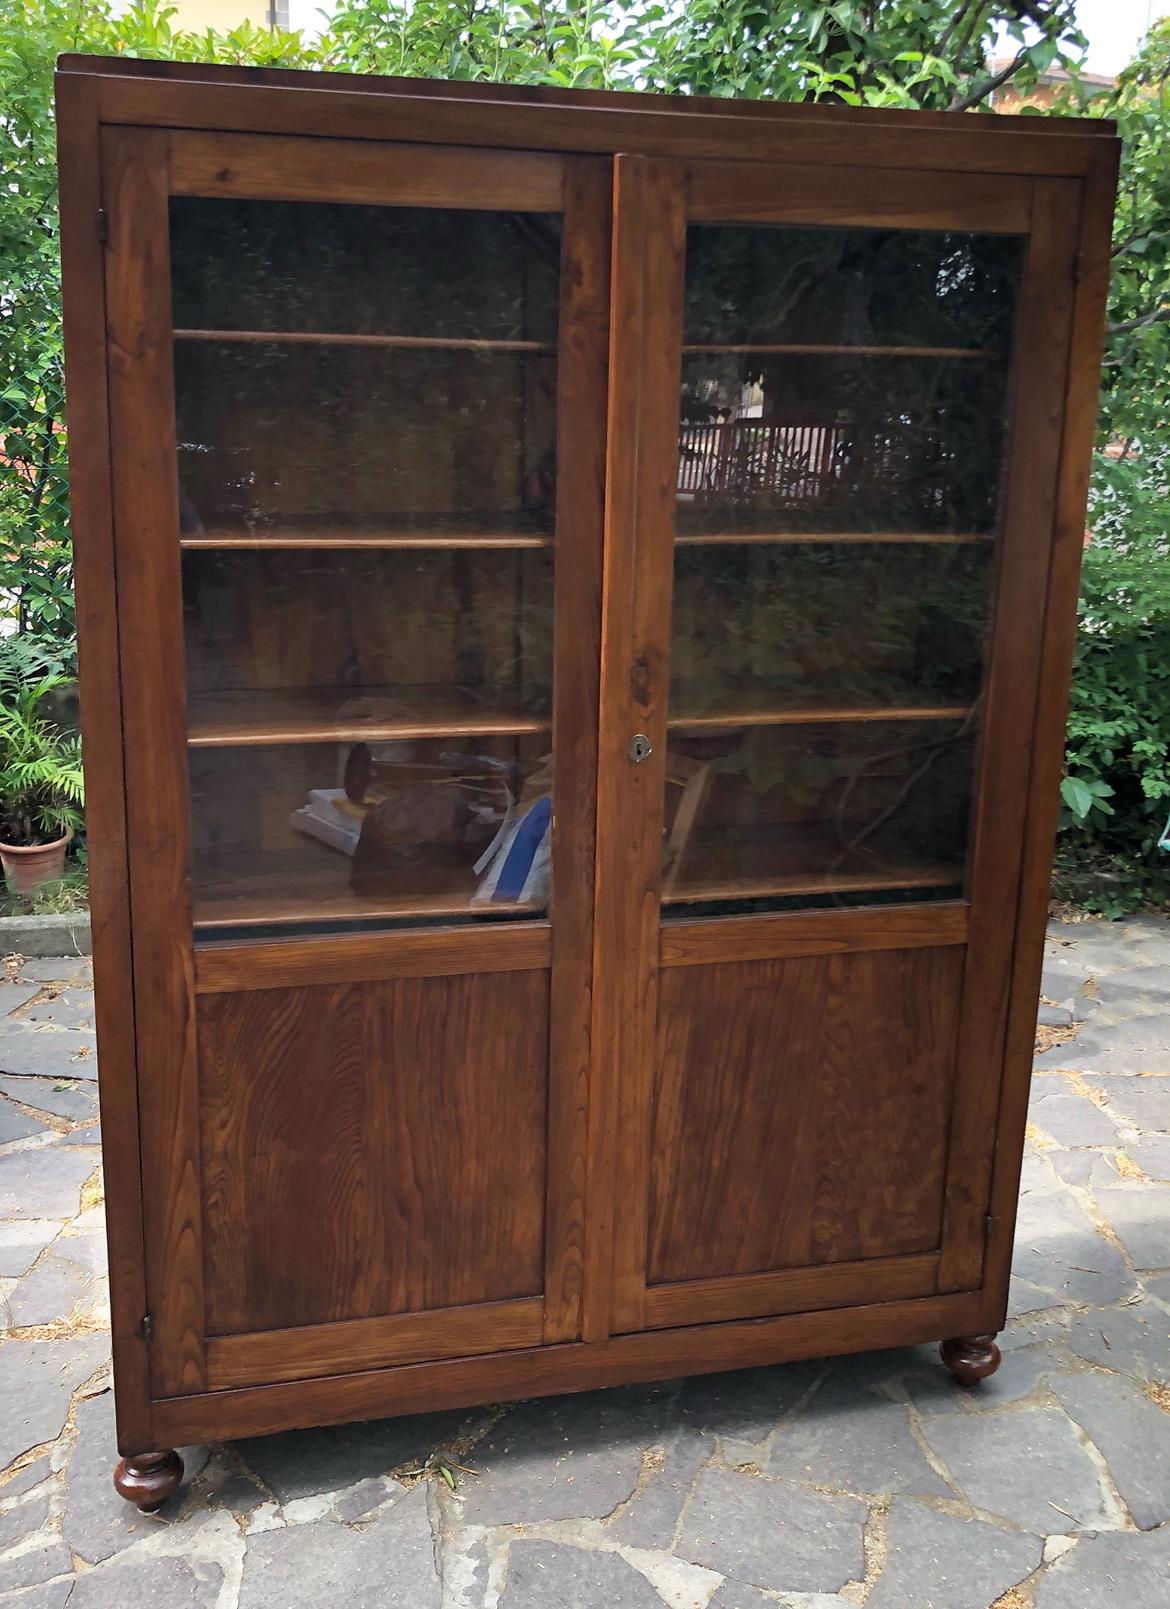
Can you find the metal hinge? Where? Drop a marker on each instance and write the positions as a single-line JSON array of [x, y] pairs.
[[146, 1328], [103, 225]]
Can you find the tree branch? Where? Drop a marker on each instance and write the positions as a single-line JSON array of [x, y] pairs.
[[1159, 315], [964, 103]]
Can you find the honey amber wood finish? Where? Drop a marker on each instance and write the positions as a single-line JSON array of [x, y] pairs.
[[425, 1166]]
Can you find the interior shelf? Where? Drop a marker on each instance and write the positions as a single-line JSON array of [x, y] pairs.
[[814, 714], [738, 538], [816, 349], [785, 861], [423, 343], [233, 541], [296, 887], [337, 715]]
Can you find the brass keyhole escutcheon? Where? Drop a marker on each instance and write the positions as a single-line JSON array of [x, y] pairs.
[[639, 748]]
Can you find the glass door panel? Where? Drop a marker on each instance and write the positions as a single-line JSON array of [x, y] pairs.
[[366, 403], [841, 434]]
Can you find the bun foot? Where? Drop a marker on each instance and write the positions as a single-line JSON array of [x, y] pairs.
[[970, 1358], [148, 1479]]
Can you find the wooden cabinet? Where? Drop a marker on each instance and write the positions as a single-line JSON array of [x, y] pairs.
[[576, 598]]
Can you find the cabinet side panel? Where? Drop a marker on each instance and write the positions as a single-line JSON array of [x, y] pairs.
[[801, 1111], [370, 1149]]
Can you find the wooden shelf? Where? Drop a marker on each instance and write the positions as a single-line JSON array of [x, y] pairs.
[[783, 862], [311, 541], [311, 884], [735, 538], [815, 349], [810, 715], [422, 343], [345, 715]]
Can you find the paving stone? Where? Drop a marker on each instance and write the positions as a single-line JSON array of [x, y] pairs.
[[1152, 1155], [149, 1584], [1071, 1119], [389, 1562], [850, 1439], [734, 1595], [1159, 1287], [1028, 1467], [1140, 1216], [1058, 1249], [362, 1499], [1114, 1568], [1132, 1046], [300, 1463], [75, 1100], [15, 995], [1053, 1016], [935, 1391], [52, 1595], [98, 1523], [55, 1289], [31, 1568], [1133, 1436], [37, 1380], [1129, 1340], [1142, 982], [45, 1182], [17, 1125], [773, 1534], [649, 1519], [23, 1520], [548, 1575], [937, 1561], [76, 969], [564, 1457], [72, 1008], [61, 1053], [22, 1242], [1144, 1102], [24, 1480], [745, 1404], [1085, 1170]]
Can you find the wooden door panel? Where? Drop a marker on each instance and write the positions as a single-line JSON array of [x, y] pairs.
[[789, 1096], [372, 1148]]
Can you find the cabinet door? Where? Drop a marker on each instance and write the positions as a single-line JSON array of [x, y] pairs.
[[836, 413], [358, 412]]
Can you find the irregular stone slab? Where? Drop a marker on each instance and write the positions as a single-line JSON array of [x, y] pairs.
[[25, 1479], [1114, 1568], [649, 1519], [745, 1404], [1133, 1046], [1050, 1016], [1085, 1170], [17, 1125], [1028, 1467], [1144, 1102], [53, 1595], [734, 1595], [22, 1242], [30, 1569], [1152, 1155], [56, 1288], [1132, 1435], [772, 1534], [301, 1463], [98, 1523], [390, 1562], [1129, 1340], [936, 1561], [1071, 1119], [75, 1100], [61, 1053], [564, 1457], [15, 995], [1058, 1249], [45, 1182], [37, 1380], [1141, 982], [75, 969], [850, 1439], [149, 1584], [1140, 1215], [72, 1008], [548, 1575], [935, 1391], [23, 1520]]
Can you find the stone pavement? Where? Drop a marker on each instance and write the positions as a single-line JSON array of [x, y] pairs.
[[868, 1481]]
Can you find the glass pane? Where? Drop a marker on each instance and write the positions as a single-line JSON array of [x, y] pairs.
[[840, 444], [366, 406]]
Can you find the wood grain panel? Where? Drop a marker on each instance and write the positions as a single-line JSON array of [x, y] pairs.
[[504, 1376], [893, 199], [259, 166], [372, 1148], [790, 1096], [370, 1343], [791, 1290], [781, 934]]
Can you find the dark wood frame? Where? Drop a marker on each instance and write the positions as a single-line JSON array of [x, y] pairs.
[[669, 159]]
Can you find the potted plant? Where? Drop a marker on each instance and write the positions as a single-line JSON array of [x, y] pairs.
[[41, 788]]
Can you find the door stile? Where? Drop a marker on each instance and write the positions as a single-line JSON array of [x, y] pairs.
[[642, 460], [1034, 430], [580, 512], [146, 520]]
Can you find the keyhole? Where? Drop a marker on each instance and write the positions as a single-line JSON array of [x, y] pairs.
[[640, 748]]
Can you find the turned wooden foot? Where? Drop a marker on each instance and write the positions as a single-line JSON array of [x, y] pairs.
[[970, 1358], [148, 1479]]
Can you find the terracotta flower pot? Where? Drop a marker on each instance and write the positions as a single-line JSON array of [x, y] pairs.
[[27, 866]]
